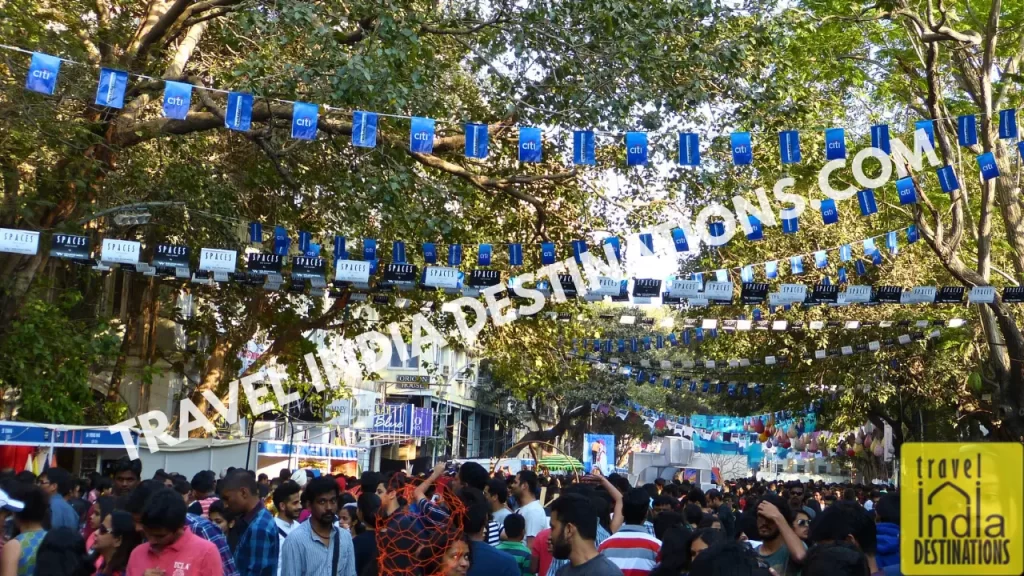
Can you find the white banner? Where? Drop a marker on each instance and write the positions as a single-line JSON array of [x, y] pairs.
[[357, 271], [19, 241], [120, 251], [441, 277], [216, 260]]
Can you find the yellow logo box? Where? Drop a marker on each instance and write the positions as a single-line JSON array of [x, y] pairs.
[[962, 509]]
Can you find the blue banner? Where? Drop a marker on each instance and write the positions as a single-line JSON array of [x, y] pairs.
[[239, 114], [861, 269], [616, 247], [716, 229], [866, 199], [369, 249], [636, 148], [583, 148], [339, 248], [304, 119], [721, 275], [429, 253], [790, 225], [756, 229], [987, 165], [530, 145], [255, 232], [421, 135], [42, 73], [454, 255], [789, 146], [912, 234], [364, 129], [311, 451], [177, 99], [110, 91], [282, 243], [679, 240], [515, 254], [1008, 124], [829, 213], [742, 149], [747, 273], [398, 252], [929, 130], [845, 253], [947, 179], [796, 264], [869, 248], [579, 247], [835, 144], [907, 192], [821, 259], [842, 276], [771, 270], [892, 242], [483, 255], [476, 140], [547, 253], [647, 241], [689, 149], [967, 130], [880, 138]]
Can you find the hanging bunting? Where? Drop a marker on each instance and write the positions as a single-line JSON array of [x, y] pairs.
[[583, 148], [339, 247], [835, 144], [177, 99], [861, 269], [547, 253], [821, 259], [398, 252], [255, 233], [647, 244], [988, 167], [721, 276], [756, 229], [1020, 149], [111, 88], [515, 254], [455, 255], [866, 199], [928, 127], [282, 243], [771, 270], [790, 225], [1008, 124], [636, 148], [421, 135], [579, 247], [796, 264], [42, 73], [906, 190], [483, 255], [842, 276], [304, 239], [789, 146], [616, 247], [716, 229], [871, 251], [747, 274], [742, 151], [679, 240], [530, 144], [369, 249], [947, 179], [239, 114], [880, 138], [892, 243], [476, 140], [364, 129], [845, 253], [967, 130], [304, 120], [912, 234], [429, 253], [829, 214], [689, 149]]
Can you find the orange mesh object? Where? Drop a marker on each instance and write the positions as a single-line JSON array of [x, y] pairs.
[[413, 543]]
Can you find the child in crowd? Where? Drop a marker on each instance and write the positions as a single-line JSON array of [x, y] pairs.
[[515, 532]]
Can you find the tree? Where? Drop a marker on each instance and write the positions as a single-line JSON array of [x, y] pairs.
[[730, 466]]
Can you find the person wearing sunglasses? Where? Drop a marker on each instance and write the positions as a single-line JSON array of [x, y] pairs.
[[802, 522], [116, 537]]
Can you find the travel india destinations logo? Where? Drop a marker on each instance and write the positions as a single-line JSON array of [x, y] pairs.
[[962, 509]]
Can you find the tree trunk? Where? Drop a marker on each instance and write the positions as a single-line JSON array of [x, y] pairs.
[[216, 368]]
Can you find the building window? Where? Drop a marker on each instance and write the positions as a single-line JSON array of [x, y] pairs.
[[396, 361]]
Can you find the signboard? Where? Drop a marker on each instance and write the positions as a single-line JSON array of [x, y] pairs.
[[792, 293], [950, 295], [317, 451], [356, 271], [888, 294], [19, 241], [857, 294], [216, 260], [69, 247], [684, 288], [646, 288], [598, 450], [114, 251], [441, 277], [15, 434], [264, 263], [606, 286], [753, 292], [825, 293], [568, 286], [170, 256], [721, 291], [484, 278], [422, 422], [393, 419], [400, 273], [306, 267]]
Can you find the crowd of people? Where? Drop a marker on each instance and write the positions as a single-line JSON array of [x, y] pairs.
[[451, 522]]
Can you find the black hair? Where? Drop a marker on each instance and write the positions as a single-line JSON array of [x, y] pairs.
[[25, 477], [849, 494], [575, 509], [709, 536], [693, 514], [239, 479], [37, 504], [104, 505], [317, 487], [651, 489], [345, 498], [779, 503], [204, 481], [888, 508], [498, 488], [530, 478], [369, 481], [61, 478], [842, 519], [727, 558], [102, 483], [262, 477], [746, 524], [136, 502], [367, 506], [696, 495], [182, 486], [515, 526], [665, 521], [164, 509], [62, 553], [286, 490], [635, 506], [126, 464], [707, 521], [840, 559], [665, 500], [713, 494], [675, 551], [219, 507], [659, 482], [477, 509], [473, 474], [122, 526]]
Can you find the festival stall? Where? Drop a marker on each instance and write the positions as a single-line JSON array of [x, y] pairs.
[[80, 449]]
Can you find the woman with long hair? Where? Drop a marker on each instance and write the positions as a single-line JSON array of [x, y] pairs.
[[62, 553], [681, 546], [115, 540], [97, 512]]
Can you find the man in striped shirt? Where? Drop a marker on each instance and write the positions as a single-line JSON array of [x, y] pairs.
[[633, 549]]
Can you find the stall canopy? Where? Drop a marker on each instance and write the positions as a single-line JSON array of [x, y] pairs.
[[559, 462], [28, 445], [300, 450]]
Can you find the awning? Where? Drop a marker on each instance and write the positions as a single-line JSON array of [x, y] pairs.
[[60, 436]]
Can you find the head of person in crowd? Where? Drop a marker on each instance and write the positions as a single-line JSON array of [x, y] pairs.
[[573, 525], [714, 499], [240, 492], [367, 508], [768, 530], [702, 539], [675, 555], [222, 517], [203, 484], [696, 496], [347, 514], [665, 521], [664, 503], [35, 508], [477, 512], [184, 488], [25, 477], [115, 540], [449, 555], [163, 518], [802, 522], [471, 474], [321, 496], [135, 503], [727, 558], [525, 487], [389, 489], [497, 493], [828, 500], [127, 475], [693, 514], [887, 520], [62, 553], [104, 506], [710, 521], [515, 528], [56, 482], [847, 521], [636, 504], [263, 480], [839, 559], [850, 495], [288, 501], [103, 486]]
